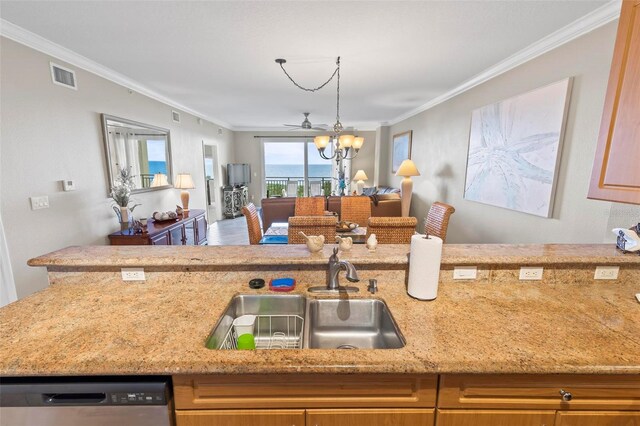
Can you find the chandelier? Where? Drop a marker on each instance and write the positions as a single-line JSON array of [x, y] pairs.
[[344, 146]]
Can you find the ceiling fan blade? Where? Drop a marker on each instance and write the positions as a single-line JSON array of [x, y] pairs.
[[291, 125], [322, 129]]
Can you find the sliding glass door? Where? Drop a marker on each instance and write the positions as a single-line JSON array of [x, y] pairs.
[[294, 168]]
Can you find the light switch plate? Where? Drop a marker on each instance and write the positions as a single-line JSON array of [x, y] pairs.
[[465, 272], [606, 273], [38, 203], [529, 273], [132, 274], [68, 185]]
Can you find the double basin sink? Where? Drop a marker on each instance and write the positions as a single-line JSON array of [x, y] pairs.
[[293, 321]]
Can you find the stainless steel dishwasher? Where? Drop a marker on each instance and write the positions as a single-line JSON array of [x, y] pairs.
[[85, 401]]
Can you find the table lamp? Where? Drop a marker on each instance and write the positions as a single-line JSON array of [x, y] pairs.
[[184, 182], [159, 179], [406, 170], [360, 177]]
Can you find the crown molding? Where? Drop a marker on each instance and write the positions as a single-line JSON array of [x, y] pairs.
[[589, 22], [41, 44], [356, 129]]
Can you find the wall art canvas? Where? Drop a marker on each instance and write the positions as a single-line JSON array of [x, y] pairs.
[[514, 150], [401, 149]]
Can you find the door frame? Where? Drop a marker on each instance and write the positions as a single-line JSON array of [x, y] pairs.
[[216, 178]]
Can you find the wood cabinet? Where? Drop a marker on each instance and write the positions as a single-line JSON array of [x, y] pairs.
[[370, 417], [495, 418], [189, 229], [597, 418], [616, 169], [240, 418]]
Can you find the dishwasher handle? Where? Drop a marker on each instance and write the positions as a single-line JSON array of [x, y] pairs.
[[73, 398]]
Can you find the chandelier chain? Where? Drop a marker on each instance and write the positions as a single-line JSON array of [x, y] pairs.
[[336, 71]]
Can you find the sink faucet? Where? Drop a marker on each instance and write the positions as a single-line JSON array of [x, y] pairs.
[[335, 266]]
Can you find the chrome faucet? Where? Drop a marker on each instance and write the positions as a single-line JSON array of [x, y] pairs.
[[333, 284]]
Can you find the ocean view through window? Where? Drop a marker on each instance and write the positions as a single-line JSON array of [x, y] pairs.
[[294, 168]]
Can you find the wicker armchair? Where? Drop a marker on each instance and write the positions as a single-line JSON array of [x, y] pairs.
[[312, 225], [355, 209], [309, 206], [392, 230], [438, 219], [253, 223]]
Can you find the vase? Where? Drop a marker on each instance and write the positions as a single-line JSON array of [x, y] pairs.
[[124, 214]]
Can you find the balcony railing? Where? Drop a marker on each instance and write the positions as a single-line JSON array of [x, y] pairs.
[[316, 186]]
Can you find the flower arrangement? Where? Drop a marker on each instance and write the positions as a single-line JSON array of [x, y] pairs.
[[121, 190]]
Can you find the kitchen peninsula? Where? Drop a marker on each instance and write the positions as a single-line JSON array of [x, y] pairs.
[[496, 345]]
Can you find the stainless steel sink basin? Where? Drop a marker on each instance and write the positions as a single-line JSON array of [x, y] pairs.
[[281, 314], [351, 324], [293, 322]]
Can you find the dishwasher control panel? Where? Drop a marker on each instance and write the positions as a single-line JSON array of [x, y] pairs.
[[137, 398]]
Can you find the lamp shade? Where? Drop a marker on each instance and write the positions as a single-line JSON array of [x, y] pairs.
[[159, 179], [407, 168], [184, 181], [360, 175], [345, 141], [321, 142], [358, 141]]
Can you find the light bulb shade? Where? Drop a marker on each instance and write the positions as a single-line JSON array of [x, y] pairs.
[[407, 168], [321, 142], [184, 181], [360, 175], [358, 142], [159, 179], [345, 141]]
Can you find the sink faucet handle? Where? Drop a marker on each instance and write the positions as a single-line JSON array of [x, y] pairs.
[[334, 256], [373, 286]]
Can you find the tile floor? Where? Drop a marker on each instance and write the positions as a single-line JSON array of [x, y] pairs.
[[229, 232]]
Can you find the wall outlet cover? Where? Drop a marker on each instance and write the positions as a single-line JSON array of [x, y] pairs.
[[465, 272], [132, 274], [38, 203], [530, 273], [606, 273]]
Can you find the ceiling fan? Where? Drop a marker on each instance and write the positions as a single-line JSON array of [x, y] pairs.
[[306, 124]]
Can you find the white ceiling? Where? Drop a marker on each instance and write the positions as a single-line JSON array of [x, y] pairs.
[[217, 58]]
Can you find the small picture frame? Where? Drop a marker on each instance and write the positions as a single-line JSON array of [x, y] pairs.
[[401, 149]]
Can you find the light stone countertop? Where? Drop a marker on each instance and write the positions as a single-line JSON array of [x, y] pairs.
[[297, 254], [105, 326]]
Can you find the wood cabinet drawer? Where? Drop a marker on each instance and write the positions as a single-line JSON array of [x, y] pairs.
[[598, 418], [370, 417], [495, 418], [240, 418], [304, 391], [539, 392]]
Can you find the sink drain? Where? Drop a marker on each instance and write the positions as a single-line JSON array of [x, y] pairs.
[[346, 347]]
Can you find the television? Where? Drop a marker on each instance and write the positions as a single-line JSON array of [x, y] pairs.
[[238, 174]]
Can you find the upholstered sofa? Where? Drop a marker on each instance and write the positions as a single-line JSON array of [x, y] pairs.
[[279, 209]]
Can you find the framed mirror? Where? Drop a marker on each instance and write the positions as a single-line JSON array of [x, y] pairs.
[[144, 148]]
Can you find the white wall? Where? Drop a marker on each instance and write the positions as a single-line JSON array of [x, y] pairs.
[[50, 133], [441, 139], [248, 150]]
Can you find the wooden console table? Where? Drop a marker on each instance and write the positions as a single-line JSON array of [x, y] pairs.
[[187, 230]]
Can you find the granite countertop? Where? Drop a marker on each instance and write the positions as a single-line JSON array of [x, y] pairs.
[[297, 254], [106, 326]]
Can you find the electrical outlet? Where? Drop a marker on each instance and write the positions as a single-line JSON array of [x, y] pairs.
[[465, 272], [606, 273], [531, 273], [38, 203], [132, 274]]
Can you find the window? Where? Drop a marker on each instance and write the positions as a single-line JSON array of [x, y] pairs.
[[295, 168]]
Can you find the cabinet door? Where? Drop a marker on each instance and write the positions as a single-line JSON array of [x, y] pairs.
[[616, 174], [370, 417], [160, 239], [495, 418], [240, 418], [598, 418], [190, 233], [201, 230], [177, 235]]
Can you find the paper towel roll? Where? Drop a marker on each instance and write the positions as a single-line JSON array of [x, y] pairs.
[[424, 267]]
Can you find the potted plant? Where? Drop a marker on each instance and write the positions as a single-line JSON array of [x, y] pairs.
[[121, 193]]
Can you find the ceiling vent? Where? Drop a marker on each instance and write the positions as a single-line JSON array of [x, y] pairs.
[[176, 116], [63, 76]]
